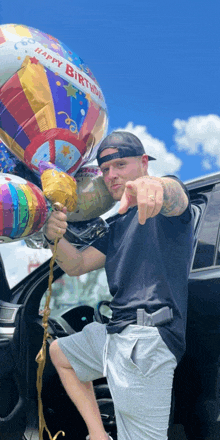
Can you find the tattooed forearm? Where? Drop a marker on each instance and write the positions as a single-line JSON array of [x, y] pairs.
[[175, 199]]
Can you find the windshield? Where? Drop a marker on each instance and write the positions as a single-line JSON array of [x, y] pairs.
[[69, 292]]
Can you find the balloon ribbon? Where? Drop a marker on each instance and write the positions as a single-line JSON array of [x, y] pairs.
[[60, 189], [41, 356]]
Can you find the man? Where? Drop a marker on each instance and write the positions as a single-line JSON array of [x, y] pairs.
[[146, 255]]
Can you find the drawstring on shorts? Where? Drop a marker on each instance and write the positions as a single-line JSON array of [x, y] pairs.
[[105, 353]]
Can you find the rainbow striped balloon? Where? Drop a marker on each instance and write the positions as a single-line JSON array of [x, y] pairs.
[[23, 208]]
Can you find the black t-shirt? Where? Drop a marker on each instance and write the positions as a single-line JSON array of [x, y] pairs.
[[147, 266]]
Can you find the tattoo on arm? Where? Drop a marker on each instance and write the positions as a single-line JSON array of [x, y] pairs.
[[175, 199]]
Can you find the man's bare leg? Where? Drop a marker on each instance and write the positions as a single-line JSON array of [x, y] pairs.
[[81, 393]]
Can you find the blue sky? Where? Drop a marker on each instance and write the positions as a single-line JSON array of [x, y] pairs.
[[157, 63]]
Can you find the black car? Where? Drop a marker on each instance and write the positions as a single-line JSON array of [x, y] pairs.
[[195, 411]]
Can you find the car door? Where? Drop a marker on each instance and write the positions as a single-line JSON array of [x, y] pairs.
[[21, 337], [12, 398], [197, 380], [13, 350]]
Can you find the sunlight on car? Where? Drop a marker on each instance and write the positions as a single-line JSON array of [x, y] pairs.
[[20, 260]]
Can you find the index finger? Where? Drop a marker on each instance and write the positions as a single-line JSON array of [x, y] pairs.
[[145, 202], [128, 198], [142, 203]]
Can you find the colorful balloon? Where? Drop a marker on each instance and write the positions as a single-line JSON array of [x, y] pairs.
[[51, 106], [93, 196], [23, 208]]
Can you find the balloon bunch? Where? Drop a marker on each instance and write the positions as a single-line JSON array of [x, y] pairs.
[[52, 119], [52, 115]]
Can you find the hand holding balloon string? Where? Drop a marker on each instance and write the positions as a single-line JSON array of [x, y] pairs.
[[60, 189], [56, 225]]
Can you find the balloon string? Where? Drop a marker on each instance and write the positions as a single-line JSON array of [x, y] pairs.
[[41, 356]]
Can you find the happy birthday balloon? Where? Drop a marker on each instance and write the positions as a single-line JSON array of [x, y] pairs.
[[51, 106], [23, 208], [93, 197]]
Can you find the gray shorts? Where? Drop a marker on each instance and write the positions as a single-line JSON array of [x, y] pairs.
[[139, 369]]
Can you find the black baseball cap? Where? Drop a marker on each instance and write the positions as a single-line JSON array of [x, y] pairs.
[[127, 144]]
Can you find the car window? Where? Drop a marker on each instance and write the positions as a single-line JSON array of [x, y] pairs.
[[217, 253], [69, 292], [197, 211], [205, 255], [19, 260]]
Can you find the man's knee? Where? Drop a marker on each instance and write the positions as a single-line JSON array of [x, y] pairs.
[[58, 358]]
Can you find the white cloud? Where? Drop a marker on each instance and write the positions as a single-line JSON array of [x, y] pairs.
[[206, 164], [199, 135], [166, 163]]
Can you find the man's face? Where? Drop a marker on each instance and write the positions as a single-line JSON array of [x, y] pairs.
[[117, 172]]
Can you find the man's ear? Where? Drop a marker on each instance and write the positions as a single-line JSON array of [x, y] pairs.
[[144, 160]]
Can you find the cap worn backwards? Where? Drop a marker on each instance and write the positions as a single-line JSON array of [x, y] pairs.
[[127, 145]]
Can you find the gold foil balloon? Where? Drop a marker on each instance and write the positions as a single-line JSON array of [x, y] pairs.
[[58, 187], [93, 196]]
